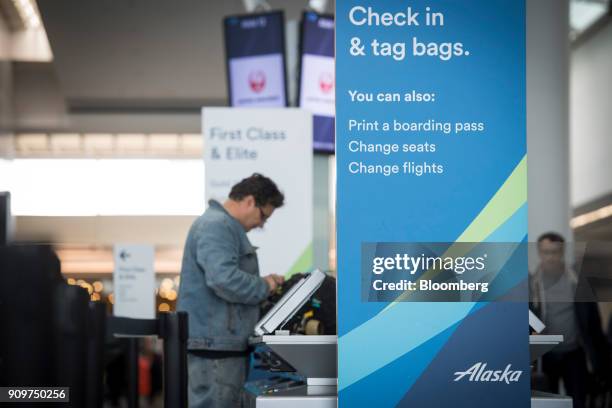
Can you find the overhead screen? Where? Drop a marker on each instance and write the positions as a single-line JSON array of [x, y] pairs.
[[255, 58], [317, 80]]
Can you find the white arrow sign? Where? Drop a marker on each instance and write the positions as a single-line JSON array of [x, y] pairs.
[[134, 281]]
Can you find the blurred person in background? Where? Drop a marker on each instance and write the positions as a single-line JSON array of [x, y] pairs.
[[221, 290], [552, 293]]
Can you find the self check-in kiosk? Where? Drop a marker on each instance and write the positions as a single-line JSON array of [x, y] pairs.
[[313, 359], [538, 346]]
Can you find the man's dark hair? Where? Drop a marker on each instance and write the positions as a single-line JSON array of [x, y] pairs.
[[551, 236], [261, 188]]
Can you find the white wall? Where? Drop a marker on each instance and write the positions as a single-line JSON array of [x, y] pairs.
[[591, 118], [547, 117], [321, 213]]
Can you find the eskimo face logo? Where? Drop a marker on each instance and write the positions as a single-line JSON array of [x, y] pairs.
[[326, 82], [479, 373], [257, 81]]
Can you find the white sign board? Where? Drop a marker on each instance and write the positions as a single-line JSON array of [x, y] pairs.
[[278, 144], [134, 281]]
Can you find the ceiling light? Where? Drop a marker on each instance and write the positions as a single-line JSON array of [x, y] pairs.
[[584, 14], [28, 13], [591, 216]]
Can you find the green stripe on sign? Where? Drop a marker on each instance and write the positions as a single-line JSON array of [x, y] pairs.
[[303, 263], [508, 199]]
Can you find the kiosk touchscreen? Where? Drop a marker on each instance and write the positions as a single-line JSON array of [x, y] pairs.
[[311, 358], [290, 303]]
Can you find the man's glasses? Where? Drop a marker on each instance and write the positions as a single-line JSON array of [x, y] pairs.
[[262, 215]]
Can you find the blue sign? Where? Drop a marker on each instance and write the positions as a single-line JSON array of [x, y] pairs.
[[431, 148]]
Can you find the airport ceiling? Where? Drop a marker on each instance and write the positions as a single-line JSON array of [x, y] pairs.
[[168, 54], [141, 54]]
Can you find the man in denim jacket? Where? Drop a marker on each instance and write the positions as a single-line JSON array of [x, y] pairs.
[[221, 290]]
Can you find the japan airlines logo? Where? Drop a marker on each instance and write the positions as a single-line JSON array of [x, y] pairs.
[[479, 373], [326, 82], [257, 81]]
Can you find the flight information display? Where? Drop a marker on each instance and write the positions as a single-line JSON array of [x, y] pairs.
[[255, 57], [317, 80]]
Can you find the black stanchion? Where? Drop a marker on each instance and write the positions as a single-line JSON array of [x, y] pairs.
[[71, 341], [56, 337], [173, 329], [95, 354], [132, 363]]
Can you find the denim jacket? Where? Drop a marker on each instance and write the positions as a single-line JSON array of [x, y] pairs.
[[220, 285]]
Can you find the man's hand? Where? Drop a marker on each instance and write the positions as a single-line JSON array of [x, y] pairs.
[[274, 281]]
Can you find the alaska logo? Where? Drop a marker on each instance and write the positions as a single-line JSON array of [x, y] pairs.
[[478, 372]]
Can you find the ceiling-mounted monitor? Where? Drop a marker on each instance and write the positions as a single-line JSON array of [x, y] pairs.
[[317, 80], [255, 59]]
